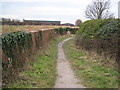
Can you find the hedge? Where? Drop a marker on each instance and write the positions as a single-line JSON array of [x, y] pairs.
[[100, 36], [62, 31]]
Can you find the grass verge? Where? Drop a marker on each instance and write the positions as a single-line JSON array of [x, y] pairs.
[[42, 71], [92, 72]]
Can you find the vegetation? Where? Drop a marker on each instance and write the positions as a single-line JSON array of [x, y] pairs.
[[90, 68], [41, 73], [14, 45], [109, 29], [11, 40], [90, 28], [14, 28], [95, 28], [63, 31], [100, 36], [19, 48]]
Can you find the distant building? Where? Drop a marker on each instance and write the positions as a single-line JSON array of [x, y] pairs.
[[40, 22], [7, 21], [68, 24]]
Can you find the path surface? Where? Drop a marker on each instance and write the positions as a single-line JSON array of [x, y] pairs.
[[65, 76]]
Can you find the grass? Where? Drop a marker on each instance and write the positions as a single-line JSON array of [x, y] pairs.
[[41, 72], [92, 72], [13, 28]]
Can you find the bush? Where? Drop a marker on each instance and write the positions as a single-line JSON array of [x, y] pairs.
[[63, 31], [89, 28], [100, 36], [98, 27], [108, 29], [16, 47], [10, 41]]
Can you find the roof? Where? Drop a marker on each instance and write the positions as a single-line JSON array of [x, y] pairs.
[[68, 24], [44, 21]]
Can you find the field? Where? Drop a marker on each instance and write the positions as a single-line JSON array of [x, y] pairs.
[[14, 28]]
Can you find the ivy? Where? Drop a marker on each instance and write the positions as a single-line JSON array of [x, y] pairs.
[[11, 40]]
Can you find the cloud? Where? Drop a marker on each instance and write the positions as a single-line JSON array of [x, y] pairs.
[[49, 11], [64, 10], [59, 1], [11, 16]]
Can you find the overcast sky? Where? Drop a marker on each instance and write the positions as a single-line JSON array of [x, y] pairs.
[[66, 11]]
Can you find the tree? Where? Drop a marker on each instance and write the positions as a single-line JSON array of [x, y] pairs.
[[99, 9], [78, 22]]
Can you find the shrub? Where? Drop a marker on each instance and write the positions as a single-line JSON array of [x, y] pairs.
[[10, 41], [108, 29], [89, 28], [100, 36], [63, 31], [100, 27]]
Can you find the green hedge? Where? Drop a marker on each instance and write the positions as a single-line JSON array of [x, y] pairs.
[[10, 41], [101, 36], [16, 48], [62, 31], [98, 27], [109, 29]]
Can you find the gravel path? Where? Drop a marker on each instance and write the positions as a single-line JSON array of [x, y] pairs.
[[65, 76]]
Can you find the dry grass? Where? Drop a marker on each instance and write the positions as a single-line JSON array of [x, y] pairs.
[[13, 28]]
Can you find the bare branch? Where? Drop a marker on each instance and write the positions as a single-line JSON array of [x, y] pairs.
[[99, 9]]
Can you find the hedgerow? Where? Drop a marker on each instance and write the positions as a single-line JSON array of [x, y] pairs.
[[89, 28], [99, 27], [16, 47], [62, 31], [10, 41], [100, 36], [109, 29]]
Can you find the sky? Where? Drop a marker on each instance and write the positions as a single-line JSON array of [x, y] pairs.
[[66, 11]]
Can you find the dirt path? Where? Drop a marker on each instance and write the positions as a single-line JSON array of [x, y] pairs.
[[66, 77]]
